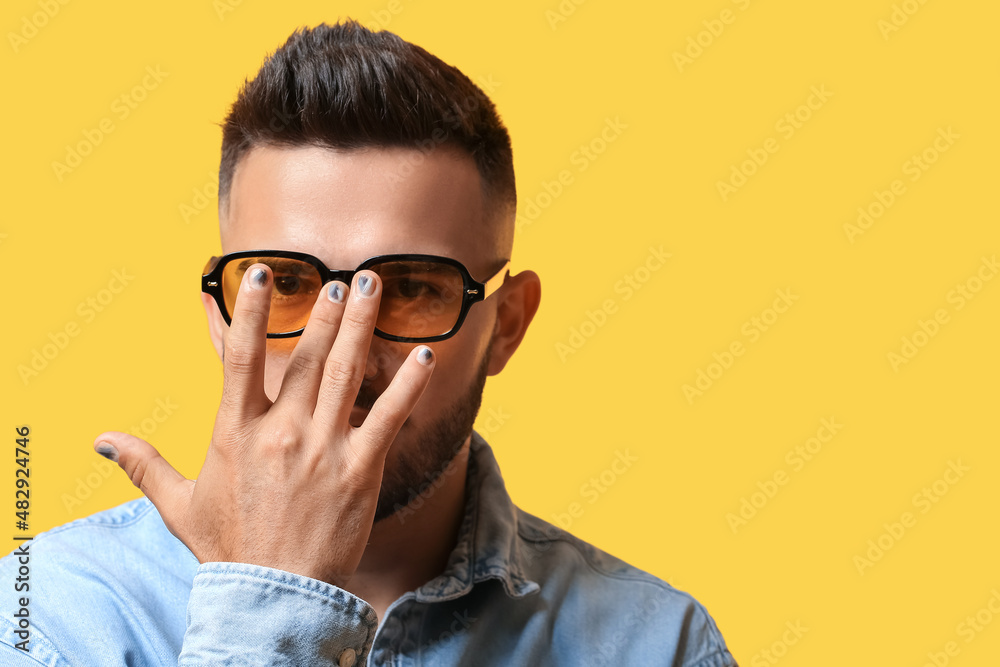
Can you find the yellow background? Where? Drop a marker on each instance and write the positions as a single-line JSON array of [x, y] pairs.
[[560, 419]]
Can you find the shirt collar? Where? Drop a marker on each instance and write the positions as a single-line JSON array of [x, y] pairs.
[[488, 546]]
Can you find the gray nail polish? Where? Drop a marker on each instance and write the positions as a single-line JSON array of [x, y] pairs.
[[108, 451], [366, 284], [258, 277], [335, 292], [425, 356]]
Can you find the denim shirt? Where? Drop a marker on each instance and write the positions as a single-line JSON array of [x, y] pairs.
[[117, 588]]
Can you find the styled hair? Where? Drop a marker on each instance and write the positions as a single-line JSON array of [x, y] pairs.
[[345, 86]]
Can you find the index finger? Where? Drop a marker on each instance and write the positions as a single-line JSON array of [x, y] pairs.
[[246, 345]]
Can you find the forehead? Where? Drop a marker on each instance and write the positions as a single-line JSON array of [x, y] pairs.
[[345, 206]]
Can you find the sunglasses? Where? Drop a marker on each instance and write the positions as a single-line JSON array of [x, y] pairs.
[[424, 297]]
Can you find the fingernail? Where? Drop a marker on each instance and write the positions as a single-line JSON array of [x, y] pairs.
[[107, 450], [425, 356], [335, 292], [258, 278], [366, 284]]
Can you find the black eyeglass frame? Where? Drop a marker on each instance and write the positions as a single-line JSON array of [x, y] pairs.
[[473, 291]]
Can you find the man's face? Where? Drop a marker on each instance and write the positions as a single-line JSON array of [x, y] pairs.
[[346, 206]]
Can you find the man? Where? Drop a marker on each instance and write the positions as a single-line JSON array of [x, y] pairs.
[[346, 512]]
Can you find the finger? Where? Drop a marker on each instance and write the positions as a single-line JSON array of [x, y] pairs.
[[166, 488], [304, 370], [345, 365], [245, 346], [397, 402]]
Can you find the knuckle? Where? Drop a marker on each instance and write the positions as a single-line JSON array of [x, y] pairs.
[[358, 472], [302, 363], [242, 359], [280, 439], [342, 374], [138, 474], [381, 426]]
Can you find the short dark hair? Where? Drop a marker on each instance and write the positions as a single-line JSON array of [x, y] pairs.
[[345, 86]]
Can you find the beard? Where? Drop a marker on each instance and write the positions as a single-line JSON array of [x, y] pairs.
[[416, 468]]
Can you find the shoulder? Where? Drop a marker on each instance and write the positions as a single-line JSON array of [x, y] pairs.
[[87, 577], [631, 610], [133, 526]]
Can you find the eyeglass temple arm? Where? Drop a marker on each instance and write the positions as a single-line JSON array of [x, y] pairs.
[[494, 283]]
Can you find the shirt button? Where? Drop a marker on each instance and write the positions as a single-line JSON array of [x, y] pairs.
[[347, 658]]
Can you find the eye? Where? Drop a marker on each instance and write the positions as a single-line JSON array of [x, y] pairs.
[[411, 289], [287, 285]]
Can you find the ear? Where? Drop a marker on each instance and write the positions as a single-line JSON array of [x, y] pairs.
[[519, 298], [216, 324]]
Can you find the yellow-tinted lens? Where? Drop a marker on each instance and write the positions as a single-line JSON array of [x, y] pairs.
[[418, 298], [296, 287]]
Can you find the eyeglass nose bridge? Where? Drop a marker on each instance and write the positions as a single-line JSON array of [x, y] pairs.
[[346, 276]]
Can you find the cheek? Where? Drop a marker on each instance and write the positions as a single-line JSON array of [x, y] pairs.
[[387, 356], [457, 362]]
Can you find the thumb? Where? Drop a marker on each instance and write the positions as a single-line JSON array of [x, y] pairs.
[[159, 481]]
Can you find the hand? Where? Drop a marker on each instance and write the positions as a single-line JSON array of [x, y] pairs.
[[288, 484]]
